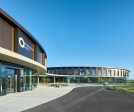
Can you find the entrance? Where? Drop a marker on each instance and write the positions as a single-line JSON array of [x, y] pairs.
[[11, 80]]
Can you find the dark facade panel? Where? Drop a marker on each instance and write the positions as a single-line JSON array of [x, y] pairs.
[[25, 45], [15, 24]]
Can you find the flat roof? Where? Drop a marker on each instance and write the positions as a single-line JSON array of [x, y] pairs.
[[13, 22]]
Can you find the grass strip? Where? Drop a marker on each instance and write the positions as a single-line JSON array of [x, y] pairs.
[[126, 89]]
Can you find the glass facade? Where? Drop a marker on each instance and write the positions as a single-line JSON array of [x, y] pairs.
[[38, 55], [104, 72], [121, 73], [48, 71], [81, 71], [99, 71], [117, 72], [109, 72], [69, 71], [93, 71], [75, 71], [88, 80], [64, 71], [114, 72], [58, 70], [53, 71], [87, 71], [103, 75], [15, 78]]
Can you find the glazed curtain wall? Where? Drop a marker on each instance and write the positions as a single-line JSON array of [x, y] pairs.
[[89, 71], [86, 80], [15, 78]]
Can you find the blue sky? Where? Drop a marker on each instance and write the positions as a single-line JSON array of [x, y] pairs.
[[79, 32]]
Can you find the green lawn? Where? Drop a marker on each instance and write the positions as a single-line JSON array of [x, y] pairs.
[[59, 84], [126, 89]]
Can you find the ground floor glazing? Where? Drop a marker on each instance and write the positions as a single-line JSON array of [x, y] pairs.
[[16, 78], [83, 80]]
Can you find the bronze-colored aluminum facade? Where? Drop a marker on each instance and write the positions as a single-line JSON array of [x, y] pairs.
[[11, 31], [22, 58]]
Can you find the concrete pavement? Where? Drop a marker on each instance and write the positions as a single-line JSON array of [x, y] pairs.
[[16, 102]]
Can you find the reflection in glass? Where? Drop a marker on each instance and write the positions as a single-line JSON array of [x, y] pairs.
[[93, 71], [2, 80], [117, 72], [75, 71], [70, 71], [58, 70], [109, 72], [81, 71], [87, 71], [48, 71], [30, 79], [11, 74], [114, 72], [7, 80], [38, 55], [99, 71], [104, 72], [120, 73], [53, 71], [63, 71]]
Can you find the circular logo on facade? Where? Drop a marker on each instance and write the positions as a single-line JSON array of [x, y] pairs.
[[21, 42]]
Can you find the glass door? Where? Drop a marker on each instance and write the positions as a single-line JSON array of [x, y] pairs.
[[10, 81], [12, 84], [7, 80]]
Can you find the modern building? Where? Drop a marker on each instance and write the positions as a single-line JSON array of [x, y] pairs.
[[88, 74], [22, 58]]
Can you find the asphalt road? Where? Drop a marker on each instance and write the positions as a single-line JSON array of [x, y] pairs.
[[89, 99]]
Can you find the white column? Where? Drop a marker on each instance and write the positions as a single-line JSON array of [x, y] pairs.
[[38, 80], [54, 79]]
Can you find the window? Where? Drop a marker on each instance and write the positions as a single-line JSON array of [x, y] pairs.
[[53, 71], [70, 71], [109, 72], [99, 71], [117, 72], [48, 71], [87, 71], [104, 72], [124, 73], [81, 71], [63, 71], [58, 71], [120, 73], [38, 55], [127, 74], [114, 73], [93, 71], [2, 80], [75, 71]]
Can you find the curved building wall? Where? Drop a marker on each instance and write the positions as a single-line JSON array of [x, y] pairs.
[[15, 38], [88, 74], [89, 71], [22, 58]]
